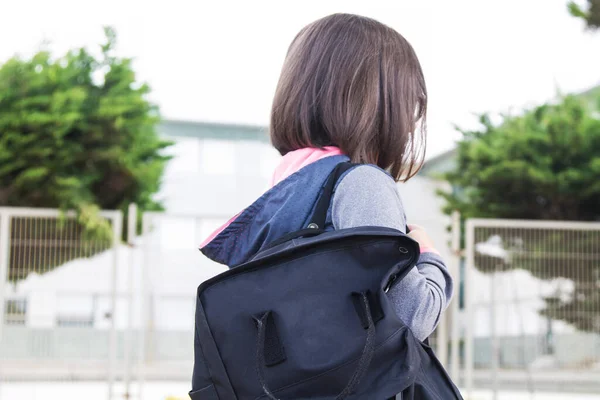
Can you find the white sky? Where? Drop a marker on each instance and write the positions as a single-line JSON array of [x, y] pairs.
[[220, 60]]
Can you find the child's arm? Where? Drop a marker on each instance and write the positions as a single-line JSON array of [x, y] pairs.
[[367, 196]]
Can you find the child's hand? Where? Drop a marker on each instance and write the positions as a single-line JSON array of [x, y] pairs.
[[418, 233]]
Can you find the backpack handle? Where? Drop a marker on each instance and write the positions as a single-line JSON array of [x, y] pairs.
[[359, 372]]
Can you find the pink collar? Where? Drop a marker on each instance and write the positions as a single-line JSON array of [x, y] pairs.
[[298, 159]]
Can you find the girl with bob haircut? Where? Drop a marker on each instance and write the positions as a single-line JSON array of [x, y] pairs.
[[351, 89]]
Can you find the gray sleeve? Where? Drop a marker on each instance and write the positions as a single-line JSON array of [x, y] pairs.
[[367, 196]]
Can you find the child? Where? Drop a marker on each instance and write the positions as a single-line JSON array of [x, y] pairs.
[[351, 89]]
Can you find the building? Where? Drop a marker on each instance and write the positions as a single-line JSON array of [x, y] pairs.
[[216, 171], [216, 168]]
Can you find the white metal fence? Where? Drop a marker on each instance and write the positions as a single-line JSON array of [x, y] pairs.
[[57, 317], [79, 309], [532, 293]]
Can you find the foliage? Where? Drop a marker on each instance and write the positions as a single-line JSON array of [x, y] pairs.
[[544, 165], [541, 165], [589, 13], [77, 132]]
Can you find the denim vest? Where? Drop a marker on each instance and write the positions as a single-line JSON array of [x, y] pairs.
[[284, 208]]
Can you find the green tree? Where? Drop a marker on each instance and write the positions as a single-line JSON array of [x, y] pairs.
[[590, 13], [543, 164], [77, 132]]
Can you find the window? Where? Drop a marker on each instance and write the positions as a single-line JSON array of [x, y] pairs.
[[75, 321], [15, 311], [218, 157], [186, 157], [74, 309]]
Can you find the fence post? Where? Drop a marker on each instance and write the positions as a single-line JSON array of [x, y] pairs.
[[454, 305], [442, 339], [494, 334], [117, 228], [4, 262], [468, 296], [144, 303], [131, 236]]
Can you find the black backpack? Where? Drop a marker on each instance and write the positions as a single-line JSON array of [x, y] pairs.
[[309, 318]]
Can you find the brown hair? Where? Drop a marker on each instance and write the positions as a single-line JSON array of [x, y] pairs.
[[352, 82]]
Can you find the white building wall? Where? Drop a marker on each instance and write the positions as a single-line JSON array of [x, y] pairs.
[[424, 208], [216, 177]]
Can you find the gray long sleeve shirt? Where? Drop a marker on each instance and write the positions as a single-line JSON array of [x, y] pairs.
[[367, 196]]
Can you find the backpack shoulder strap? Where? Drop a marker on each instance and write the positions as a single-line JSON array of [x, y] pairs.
[[317, 220], [319, 216]]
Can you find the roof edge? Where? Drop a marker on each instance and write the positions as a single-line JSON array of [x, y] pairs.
[[213, 124]]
